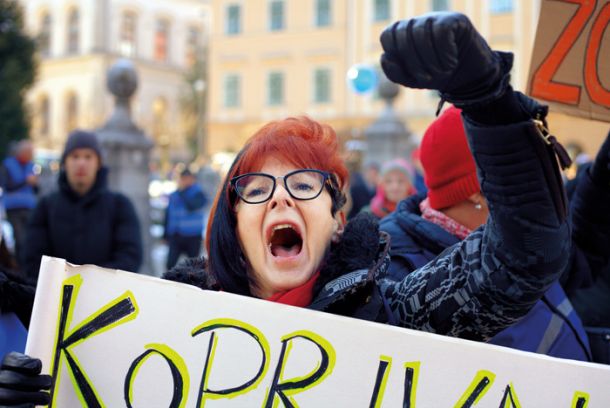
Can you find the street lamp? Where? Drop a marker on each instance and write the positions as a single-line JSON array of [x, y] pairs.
[[199, 85]]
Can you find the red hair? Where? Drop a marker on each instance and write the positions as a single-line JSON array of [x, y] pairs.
[[300, 141]]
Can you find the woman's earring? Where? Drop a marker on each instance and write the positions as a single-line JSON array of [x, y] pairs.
[[478, 206]]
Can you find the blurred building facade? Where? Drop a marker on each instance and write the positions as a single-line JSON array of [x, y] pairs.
[[79, 39], [273, 58]]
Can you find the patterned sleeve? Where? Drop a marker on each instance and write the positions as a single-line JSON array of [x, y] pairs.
[[492, 278]]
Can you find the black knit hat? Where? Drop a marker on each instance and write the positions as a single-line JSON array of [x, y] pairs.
[[81, 139]]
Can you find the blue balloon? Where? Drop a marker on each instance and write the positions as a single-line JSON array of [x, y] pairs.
[[362, 78]]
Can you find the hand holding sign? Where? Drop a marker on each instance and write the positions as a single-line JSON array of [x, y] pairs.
[[21, 381], [444, 51]]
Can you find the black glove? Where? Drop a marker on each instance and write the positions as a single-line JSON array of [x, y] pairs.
[[600, 170], [443, 51], [21, 383]]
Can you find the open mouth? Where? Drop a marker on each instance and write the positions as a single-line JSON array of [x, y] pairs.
[[285, 241]]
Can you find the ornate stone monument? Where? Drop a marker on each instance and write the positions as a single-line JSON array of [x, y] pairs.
[[387, 137], [126, 150]]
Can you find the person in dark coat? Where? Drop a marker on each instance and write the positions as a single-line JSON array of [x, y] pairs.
[[277, 222], [20, 186], [589, 195], [184, 219], [589, 288], [424, 226], [83, 222]]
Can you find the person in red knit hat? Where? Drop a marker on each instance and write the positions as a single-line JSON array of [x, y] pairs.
[[423, 227], [451, 175]]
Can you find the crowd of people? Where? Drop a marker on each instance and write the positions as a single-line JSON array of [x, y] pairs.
[[490, 250]]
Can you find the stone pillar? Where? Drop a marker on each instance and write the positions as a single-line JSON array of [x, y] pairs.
[[387, 137], [126, 151]]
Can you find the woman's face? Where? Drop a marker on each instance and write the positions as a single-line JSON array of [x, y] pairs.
[[283, 239], [396, 185]]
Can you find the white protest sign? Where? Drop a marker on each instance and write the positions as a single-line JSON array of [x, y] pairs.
[[117, 339]]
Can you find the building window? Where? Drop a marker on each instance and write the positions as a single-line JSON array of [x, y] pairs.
[[127, 43], [381, 10], [44, 38], [71, 112], [73, 32], [232, 91], [233, 22], [276, 15], [275, 89], [323, 13], [192, 45], [161, 40], [321, 85], [501, 6], [440, 5], [44, 112]]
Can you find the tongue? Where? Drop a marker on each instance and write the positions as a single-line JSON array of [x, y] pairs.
[[282, 251]]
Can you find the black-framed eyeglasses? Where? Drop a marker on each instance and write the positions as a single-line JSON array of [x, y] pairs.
[[256, 188]]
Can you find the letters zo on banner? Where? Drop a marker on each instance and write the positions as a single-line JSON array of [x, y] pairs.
[[571, 60], [117, 339]]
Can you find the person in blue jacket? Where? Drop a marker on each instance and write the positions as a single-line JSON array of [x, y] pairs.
[[184, 219], [20, 185], [424, 226]]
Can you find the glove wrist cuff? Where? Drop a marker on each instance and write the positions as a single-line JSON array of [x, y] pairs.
[[495, 91]]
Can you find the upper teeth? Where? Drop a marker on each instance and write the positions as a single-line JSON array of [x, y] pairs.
[[281, 226]]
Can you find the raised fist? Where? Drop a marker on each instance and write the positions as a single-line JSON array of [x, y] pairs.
[[443, 51]]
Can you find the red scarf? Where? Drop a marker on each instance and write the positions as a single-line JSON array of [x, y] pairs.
[[448, 224], [300, 296]]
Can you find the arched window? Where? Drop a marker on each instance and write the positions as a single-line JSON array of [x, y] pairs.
[[44, 37], [71, 112], [161, 40], [127, 43], [44, 116], [73, 32]]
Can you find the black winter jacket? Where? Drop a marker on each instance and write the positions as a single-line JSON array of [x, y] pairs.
[[551, 327], [489, 280], [98, 228], [588, 284]]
